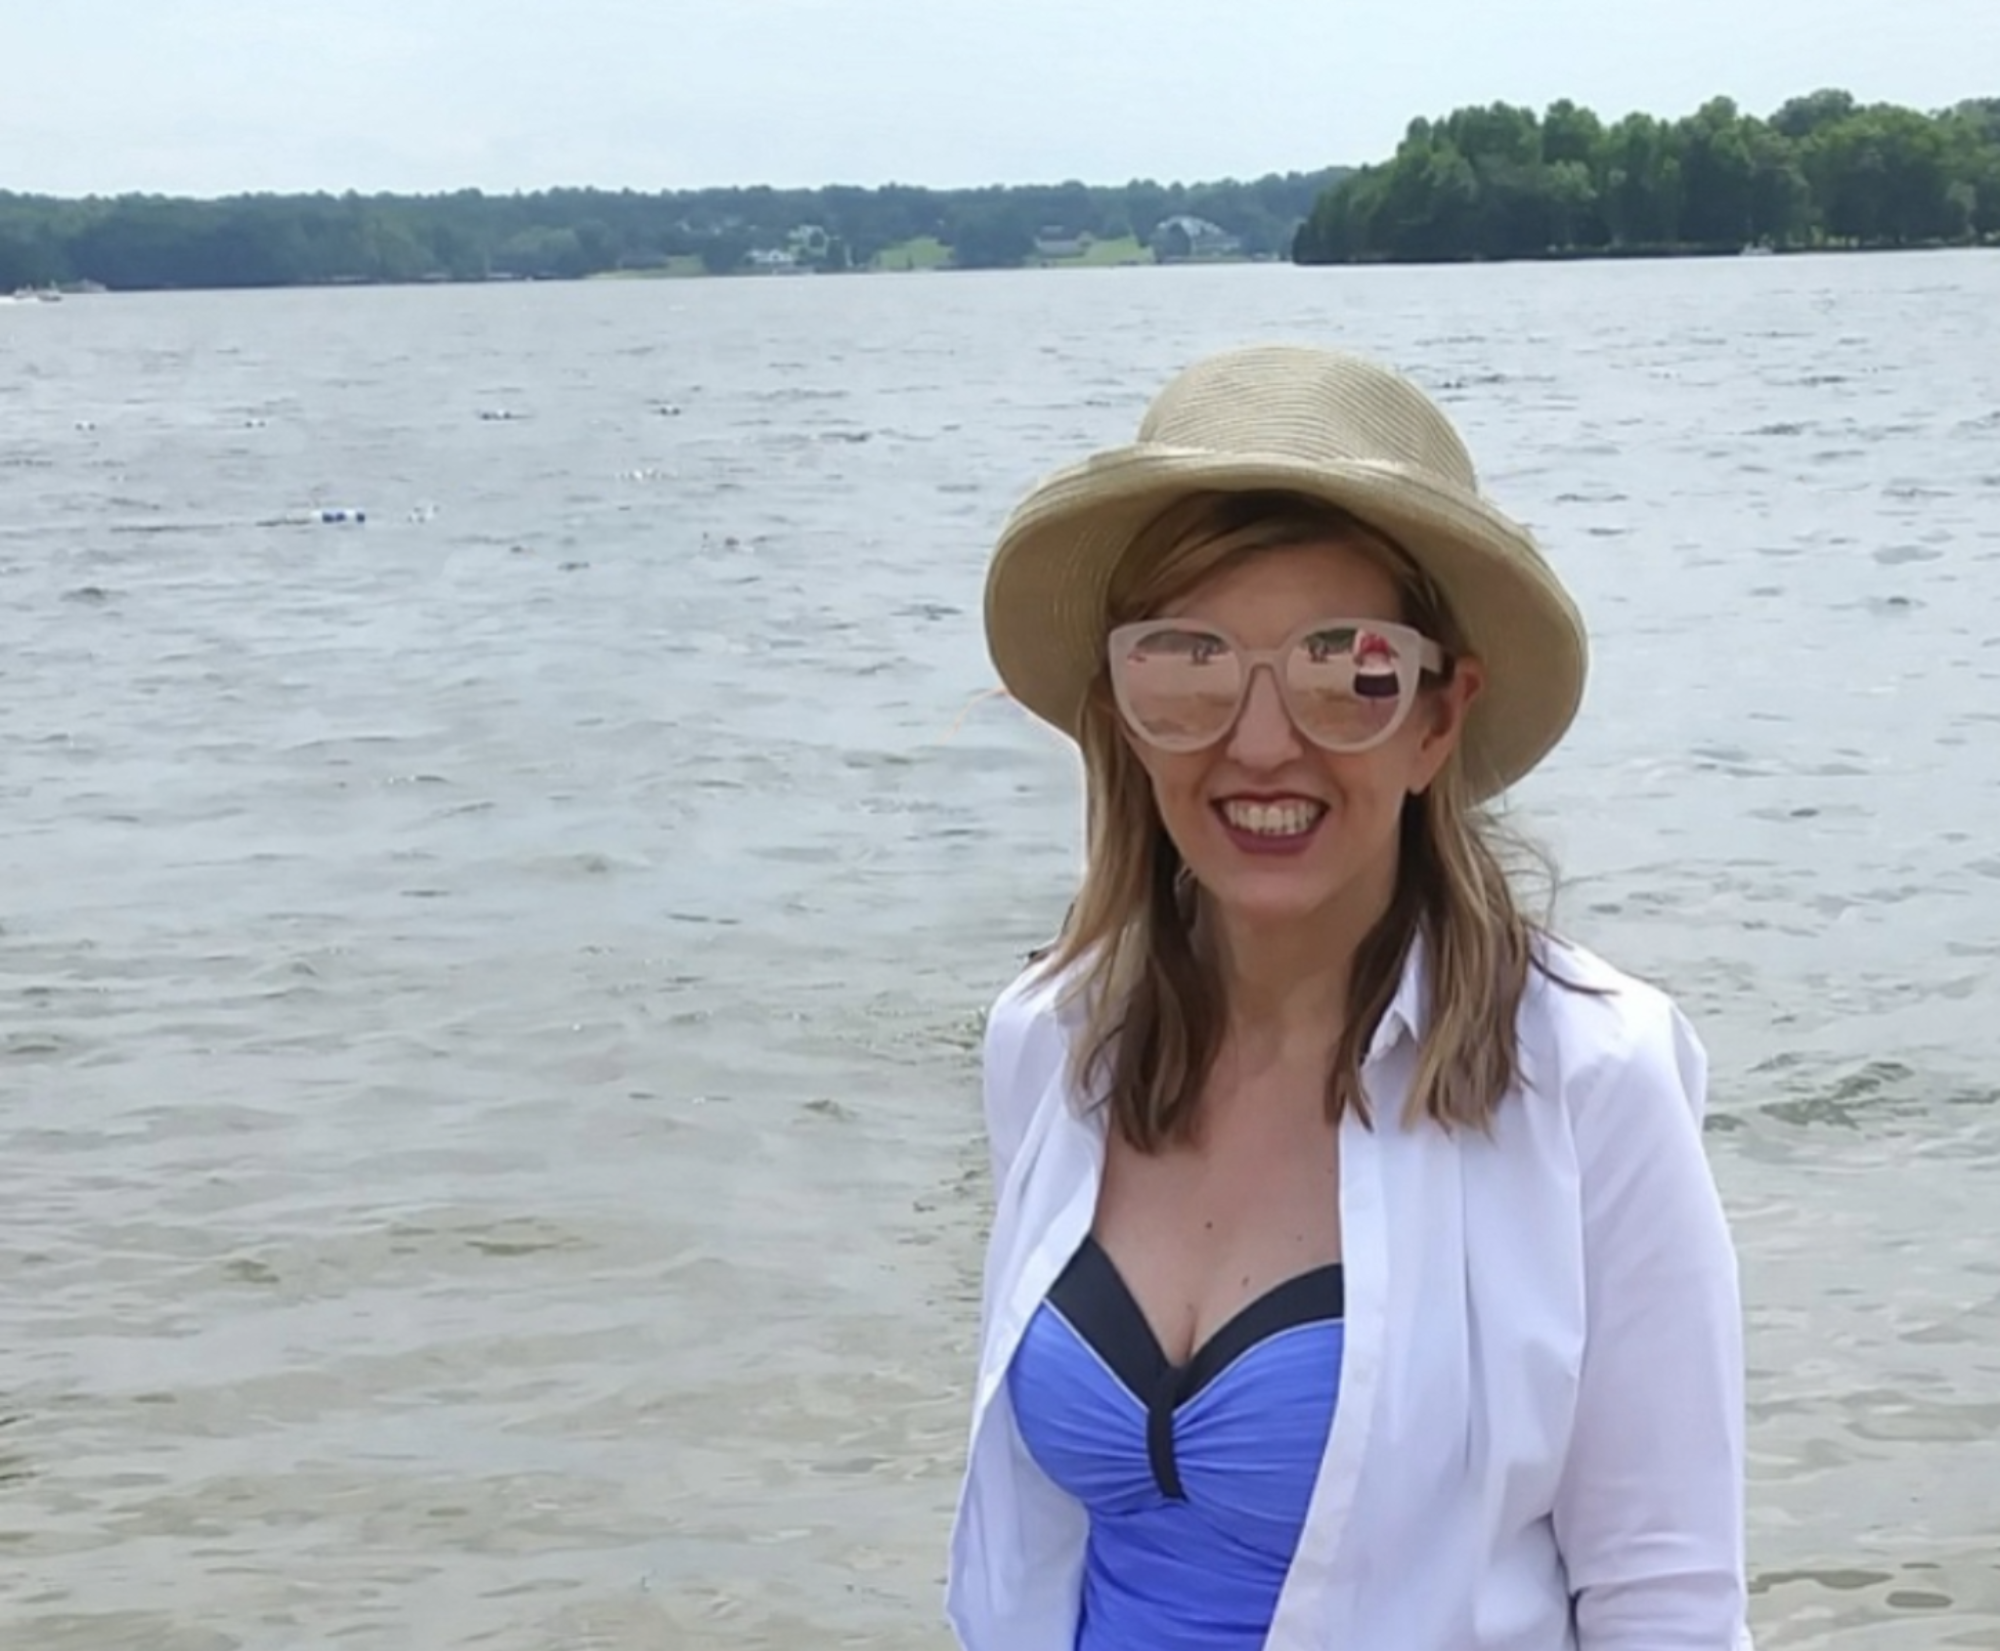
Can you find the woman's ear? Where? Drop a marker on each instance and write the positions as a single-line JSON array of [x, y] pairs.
[[1445, 709]]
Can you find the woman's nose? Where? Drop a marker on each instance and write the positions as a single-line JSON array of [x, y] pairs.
[[1264, 735]]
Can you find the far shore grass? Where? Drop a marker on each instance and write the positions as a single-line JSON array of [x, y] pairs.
[[681, 265], [1128, 249], [925, 252], [928, 253]]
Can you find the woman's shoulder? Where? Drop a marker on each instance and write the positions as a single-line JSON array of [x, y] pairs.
[[1034, 993], [1037, 1012], [1028, 1005], [1590, 1028], [1025, 1046]]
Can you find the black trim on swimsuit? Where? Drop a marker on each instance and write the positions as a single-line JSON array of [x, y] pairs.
[[1100, 1307]]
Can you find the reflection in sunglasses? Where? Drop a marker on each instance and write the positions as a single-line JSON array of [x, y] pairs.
[[1183, 686]]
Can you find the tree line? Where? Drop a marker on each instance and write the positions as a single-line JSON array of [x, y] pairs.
[[153, 242], [1823, 171]]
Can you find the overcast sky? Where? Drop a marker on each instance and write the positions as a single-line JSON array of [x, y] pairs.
[[214, 96]]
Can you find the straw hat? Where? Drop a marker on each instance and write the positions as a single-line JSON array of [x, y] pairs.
[[1329, 426]]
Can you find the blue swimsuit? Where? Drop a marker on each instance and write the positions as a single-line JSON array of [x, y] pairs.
[[1196, 1477]]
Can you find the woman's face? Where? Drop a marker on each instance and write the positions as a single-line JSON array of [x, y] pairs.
[[1276, 829]]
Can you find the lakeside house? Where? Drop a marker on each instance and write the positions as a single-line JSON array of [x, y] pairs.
[[805, 249], [1053, 241], [1184, 237]]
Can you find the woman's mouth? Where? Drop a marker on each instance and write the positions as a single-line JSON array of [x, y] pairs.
[[1278, 826]]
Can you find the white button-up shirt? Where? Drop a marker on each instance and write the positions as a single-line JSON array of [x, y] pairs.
[[1538, 1442]]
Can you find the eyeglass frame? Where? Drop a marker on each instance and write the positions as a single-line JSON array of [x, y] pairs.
[[1417, 656]]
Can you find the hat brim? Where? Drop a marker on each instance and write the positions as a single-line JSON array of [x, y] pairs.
[[1050, 573]]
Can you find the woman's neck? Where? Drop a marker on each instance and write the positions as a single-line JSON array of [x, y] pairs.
[[1286, 987]]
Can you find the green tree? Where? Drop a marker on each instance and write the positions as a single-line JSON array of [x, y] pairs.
[[1495, 182], [724, 252], [1496, 132], [1145, 203], [601, 245], [1571, 134], [1881, 178], [1341, 227], [541, 253], [990, 233], [1571, 194], [1800, 117], [27, 259], [1718, 175], [1781, 199]]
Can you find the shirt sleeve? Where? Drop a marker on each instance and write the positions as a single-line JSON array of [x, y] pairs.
[[1649, 1511], [1019, 1043]]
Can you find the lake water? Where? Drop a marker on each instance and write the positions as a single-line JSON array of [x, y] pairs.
[[489, 997]]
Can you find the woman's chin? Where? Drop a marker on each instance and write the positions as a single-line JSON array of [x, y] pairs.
[[1270, 898]]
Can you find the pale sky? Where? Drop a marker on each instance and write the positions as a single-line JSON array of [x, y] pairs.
[[210, 97]]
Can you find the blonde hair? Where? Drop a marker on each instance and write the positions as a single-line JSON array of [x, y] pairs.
[[1154, 1009]]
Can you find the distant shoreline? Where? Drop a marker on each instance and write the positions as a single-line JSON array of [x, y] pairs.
[[1660, 254], [142, 243], [1559, 255], [1487, 184]]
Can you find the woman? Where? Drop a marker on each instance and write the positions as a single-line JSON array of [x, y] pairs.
[[1357, 1281]]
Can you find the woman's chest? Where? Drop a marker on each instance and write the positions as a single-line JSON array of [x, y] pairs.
[[1201, 1232]]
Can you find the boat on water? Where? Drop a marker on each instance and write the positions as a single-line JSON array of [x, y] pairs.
[[54, 293]]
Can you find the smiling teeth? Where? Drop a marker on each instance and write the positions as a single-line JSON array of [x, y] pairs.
[[1273, 819]]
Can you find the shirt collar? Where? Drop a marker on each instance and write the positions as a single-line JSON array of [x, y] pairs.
[[1406, 1017], [1409, 1009]]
